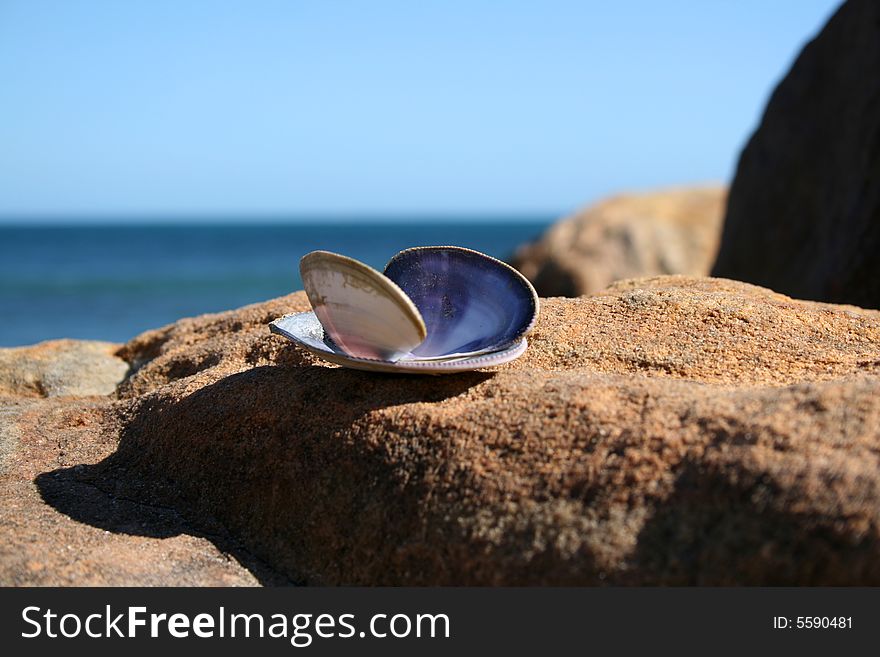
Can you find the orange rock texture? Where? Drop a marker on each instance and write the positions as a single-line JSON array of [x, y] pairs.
[[672, 430]]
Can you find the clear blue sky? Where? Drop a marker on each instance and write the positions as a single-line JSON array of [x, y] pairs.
[[118, 109]]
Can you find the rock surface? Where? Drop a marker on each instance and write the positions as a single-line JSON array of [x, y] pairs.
[[674, 231], [61, 367], [103, 537], [671, 430], [804, 210]]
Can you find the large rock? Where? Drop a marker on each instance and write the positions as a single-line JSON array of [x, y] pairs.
[[674, 231], [671, 430], [804, 210]]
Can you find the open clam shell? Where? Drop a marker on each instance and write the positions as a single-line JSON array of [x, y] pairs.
[[434, 310]]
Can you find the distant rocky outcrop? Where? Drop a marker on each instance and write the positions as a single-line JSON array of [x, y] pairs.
[[670, 430], [673, 231], [804, 209], [61, 368]]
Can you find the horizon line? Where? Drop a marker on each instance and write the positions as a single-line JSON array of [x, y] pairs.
[[348, 218]]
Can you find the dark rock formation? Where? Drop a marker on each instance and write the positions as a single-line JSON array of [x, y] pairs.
[[804, 210]]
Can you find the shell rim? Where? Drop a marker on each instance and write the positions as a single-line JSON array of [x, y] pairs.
[[392, 288], [411, 366], [536, 301]]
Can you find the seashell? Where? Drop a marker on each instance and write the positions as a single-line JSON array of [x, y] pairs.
[[435, 309]]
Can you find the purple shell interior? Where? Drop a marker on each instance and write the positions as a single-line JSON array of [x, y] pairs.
[[469, 302]]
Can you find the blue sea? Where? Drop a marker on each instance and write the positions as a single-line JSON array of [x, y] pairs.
[[113, 282]]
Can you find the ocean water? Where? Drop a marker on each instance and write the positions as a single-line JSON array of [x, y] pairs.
[[113, 282]]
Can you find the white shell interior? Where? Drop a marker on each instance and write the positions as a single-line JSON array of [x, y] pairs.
[[362, 311]]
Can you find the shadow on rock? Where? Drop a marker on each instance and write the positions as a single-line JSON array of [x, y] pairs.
[[88, 494], [727, 524], [263, 464]]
